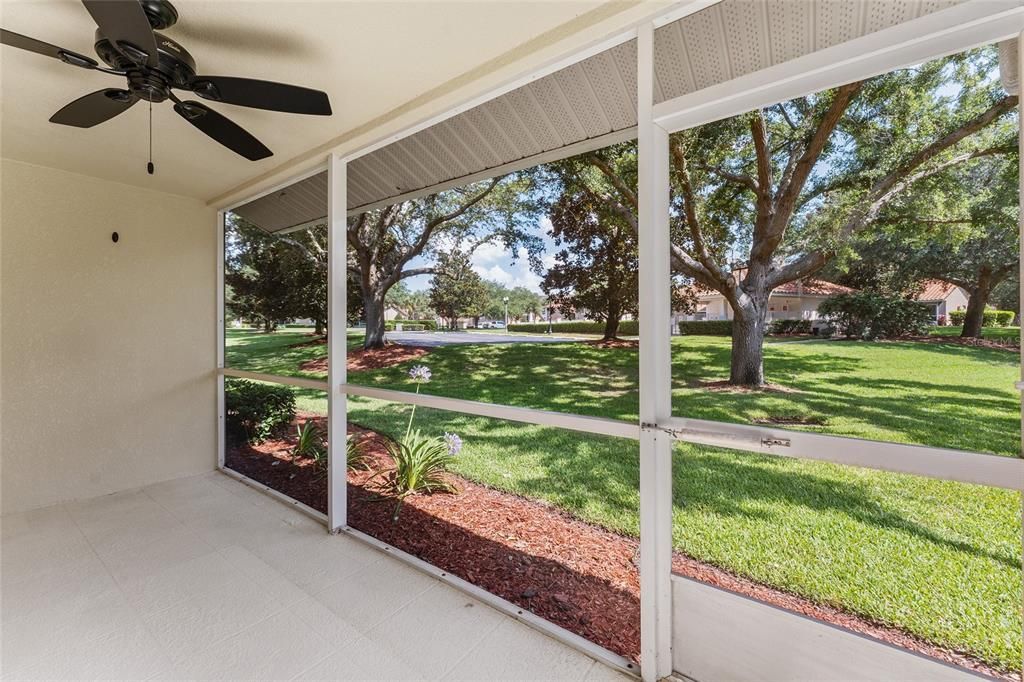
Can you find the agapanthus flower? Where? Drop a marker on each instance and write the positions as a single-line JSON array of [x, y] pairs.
[[454, 443], [420, 374]]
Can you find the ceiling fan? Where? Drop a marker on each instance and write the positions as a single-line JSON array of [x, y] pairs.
[[155, 66]]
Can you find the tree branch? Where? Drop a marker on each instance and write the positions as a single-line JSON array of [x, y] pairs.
[[789, 192], [628, 194], [690, 210], [886, 188]]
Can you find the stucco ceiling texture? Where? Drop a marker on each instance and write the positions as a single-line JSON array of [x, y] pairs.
[[371, 57]]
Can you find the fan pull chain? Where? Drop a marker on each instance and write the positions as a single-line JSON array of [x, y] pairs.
[[149, 166]]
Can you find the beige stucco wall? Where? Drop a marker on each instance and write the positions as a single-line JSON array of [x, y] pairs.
[[106, 350]]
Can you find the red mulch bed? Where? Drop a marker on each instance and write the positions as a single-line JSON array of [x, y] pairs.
[[579, 576], [373, 358]]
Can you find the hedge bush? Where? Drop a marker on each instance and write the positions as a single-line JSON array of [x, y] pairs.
[[705, 327], [990, 318], [254, 410], [411, 325], [868, 315], [790, 327], [626, 327]]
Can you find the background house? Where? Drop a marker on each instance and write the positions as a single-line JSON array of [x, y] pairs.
[[797, 300], [943, 297], [392, 312]]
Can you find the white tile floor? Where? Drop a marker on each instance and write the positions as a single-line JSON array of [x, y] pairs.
[[205, 578]]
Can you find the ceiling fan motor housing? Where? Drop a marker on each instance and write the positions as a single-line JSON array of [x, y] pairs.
[[160, 13], [175, 67]]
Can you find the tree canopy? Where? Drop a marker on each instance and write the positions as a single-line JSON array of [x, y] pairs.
[[456, 289], [387, 243], [787, 188]]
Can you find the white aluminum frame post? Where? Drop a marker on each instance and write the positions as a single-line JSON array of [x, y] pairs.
[[1020, 265], [220, 232], [655, 374], [337, 343]]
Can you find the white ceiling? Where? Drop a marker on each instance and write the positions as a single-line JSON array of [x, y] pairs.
[[592, 103], [369, 56]]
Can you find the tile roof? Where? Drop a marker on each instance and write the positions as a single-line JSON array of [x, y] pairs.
[[935, 290]]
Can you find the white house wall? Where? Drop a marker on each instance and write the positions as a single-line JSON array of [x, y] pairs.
[[107, 376]]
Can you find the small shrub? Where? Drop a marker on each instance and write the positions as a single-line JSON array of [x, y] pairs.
[[420, 461], [626, 327], [253, 411], [310, 443], [867, 315], [706, 328], [355, 454], [1003, 318], [989, 318], [790, 327]]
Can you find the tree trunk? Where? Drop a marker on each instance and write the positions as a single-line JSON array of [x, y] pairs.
[[374, 310], [976, 302], [747, 361], [319, 327], [268, 325], [611, 328], [614, 316]]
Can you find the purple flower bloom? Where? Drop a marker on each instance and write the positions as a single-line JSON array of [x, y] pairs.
[[420, 374], [454, 443]]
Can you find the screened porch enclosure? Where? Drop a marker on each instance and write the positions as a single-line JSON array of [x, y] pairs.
[[701, 63]]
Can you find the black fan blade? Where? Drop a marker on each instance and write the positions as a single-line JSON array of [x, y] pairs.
[[46, 49], [95, 108], [249, 92], [124, 23], [223, 130]]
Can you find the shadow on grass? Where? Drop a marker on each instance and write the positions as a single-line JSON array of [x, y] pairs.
[[724, 485], [577, 472], [848, 389]]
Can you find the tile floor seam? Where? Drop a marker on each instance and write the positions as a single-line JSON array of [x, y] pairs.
[[341, 577], [141, 621], [260, 622], [277, 573], [111, 625], [214, 642], [401, 607], [266, 580], [470, 650], [318, 661]]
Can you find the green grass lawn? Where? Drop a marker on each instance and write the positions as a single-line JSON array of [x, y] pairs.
[[941, 560], [986, 332]]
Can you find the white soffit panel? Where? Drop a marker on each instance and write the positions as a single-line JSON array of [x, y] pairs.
[[589, 104]]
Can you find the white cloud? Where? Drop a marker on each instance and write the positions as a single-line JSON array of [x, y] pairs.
[[494, 262]]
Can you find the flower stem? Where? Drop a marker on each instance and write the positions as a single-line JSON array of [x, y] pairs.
[[412, 414]]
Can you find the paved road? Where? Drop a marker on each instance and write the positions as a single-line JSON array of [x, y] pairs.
[[434, 339]]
